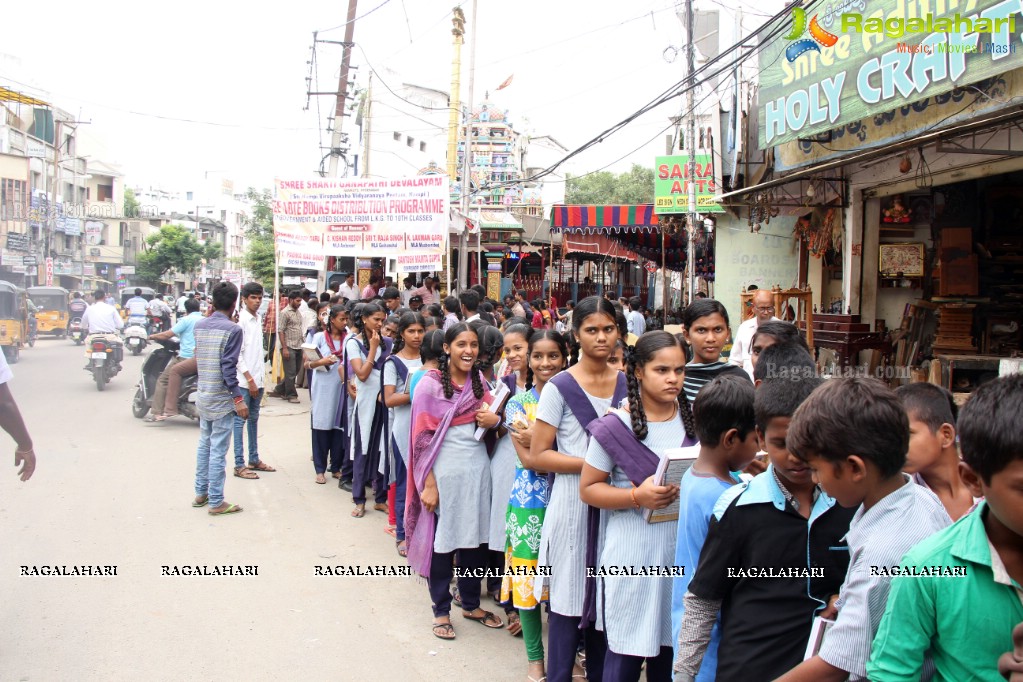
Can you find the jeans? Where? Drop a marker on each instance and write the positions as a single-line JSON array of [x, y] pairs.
[[400, 493], [186, 367], [239, 423], [211, 457], [292, 366]]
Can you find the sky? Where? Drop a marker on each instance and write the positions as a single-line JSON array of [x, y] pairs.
[[177, 91]]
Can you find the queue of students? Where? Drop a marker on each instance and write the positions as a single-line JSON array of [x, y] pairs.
[[846, 514]]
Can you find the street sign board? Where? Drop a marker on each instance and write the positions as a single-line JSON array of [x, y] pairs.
[[28, 260]]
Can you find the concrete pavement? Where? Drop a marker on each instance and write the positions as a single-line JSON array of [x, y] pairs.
[[109, 490]]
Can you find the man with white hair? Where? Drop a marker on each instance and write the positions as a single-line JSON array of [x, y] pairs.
[[763, 311]]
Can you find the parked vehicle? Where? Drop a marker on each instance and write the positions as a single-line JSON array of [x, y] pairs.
[[76, 331], [13, 321], [152, 368], [136, 335], [104, 352], [52, 315]]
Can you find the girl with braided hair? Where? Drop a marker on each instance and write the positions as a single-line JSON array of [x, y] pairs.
[[405, 358], [526, 504], [449, 513], [570, 402], [366, 352], [618, 475], [325, 390]]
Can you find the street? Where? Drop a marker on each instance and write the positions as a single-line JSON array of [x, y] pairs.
[[110, 490]]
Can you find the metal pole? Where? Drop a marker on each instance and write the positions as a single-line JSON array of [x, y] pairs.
[[51, 222], [691, 217], [342, 88], [463, 242]]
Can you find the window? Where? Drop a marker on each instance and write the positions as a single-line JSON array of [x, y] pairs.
[[422, 146], [104, 192], [13, 199], [188, 196], [409, 141], [397, 137]]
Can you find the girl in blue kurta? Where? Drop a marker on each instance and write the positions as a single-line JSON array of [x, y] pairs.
[[325, 394]]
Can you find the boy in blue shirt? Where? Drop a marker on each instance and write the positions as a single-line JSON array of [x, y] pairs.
[[774, 557], [726, 428], [857, 457], [962, 616]]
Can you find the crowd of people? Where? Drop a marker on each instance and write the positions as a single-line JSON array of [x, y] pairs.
[[520, 457], [516, 456]]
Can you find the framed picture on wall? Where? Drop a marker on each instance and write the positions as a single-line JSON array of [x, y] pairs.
[[901, 260]]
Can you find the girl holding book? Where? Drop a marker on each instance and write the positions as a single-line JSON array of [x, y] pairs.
[[569, 403], [449, 513], [618, 475], [325, 390]]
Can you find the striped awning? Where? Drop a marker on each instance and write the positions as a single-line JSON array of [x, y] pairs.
[[8, 95], [593, 219]]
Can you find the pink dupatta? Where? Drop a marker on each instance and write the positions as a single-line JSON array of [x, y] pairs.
[[432, 415]]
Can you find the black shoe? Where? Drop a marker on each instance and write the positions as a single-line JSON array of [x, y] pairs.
[[345, 485]]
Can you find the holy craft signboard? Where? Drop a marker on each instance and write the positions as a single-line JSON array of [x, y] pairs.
[[845, 60], [405, 219]]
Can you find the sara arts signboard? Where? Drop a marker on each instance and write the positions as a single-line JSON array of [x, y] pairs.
[[405, 219], [844, 61]]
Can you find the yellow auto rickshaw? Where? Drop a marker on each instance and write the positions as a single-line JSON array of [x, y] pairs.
[[13, 320], [52, 316]]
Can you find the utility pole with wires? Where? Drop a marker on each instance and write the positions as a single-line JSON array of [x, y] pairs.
[[691, 218], [463, 243]]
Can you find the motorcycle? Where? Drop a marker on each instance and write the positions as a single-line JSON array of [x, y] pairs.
[[105, 353], [33, 330], [152, 368], [76, 331], [136, 336]]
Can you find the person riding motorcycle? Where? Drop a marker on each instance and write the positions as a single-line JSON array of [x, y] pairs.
[[76, 308], [136, 307], [160, 310], [101, 319]]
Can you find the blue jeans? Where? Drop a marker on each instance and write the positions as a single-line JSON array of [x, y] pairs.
[[239, 446], [211, 458]]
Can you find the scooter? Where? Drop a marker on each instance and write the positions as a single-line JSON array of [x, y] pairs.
[[136, 336], [76, 331], [152, 368], [105, 355]]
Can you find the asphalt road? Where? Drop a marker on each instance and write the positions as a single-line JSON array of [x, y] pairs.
[[111, 491]]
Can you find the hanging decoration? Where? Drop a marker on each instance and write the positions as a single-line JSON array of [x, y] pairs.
[[761, 209]]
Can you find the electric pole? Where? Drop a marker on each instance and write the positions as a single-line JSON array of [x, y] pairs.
[[337, 137], [692, 217], [454, 109], [463, 250]]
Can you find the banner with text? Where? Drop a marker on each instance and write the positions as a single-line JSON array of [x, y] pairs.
[[405, 219], [671, 184]]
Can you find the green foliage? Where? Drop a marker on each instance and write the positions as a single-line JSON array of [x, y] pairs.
[[635, 186], [259, 255], [173, 248], [131, 204]]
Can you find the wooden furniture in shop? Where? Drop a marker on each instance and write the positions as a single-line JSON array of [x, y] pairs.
[[962, 374], [847, 336]]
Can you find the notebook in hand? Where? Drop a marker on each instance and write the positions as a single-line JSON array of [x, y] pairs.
[[673, 465]]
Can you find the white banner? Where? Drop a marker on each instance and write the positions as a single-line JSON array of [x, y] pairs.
[[405, 218]]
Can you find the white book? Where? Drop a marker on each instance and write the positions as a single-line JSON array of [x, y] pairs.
[[674, 463], [498, 397], [819, 628]]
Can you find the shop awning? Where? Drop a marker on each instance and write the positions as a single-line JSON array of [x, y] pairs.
[[605, 219], [8, 95], [595, 245], [498, 220]]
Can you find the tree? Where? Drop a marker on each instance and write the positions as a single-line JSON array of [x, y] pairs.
[[635, 186], [259, 256], [173, 248], [131, 204]]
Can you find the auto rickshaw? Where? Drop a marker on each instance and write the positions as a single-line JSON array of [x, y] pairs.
[[52, 302], [13, 320]]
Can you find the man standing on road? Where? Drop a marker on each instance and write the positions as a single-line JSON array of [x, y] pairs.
[[635, 319], [763, 311], [168, 386], [291, 335], [218, 343], [250, 378], [14, 425]]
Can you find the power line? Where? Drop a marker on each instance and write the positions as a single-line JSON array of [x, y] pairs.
[[363, 16]]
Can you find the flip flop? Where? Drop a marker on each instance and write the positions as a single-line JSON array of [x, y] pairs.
[[443, 630], [230, 509], [380, 506], [402, 551], [392, 531], [359, 511], [488, 620], [205, 501], [242, 472], [321, 479], [261, 466]]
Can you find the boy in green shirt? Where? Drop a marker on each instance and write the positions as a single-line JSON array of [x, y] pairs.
[[963, 595]]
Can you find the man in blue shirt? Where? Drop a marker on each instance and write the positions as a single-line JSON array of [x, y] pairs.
[[168, 386], [136, 307]]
